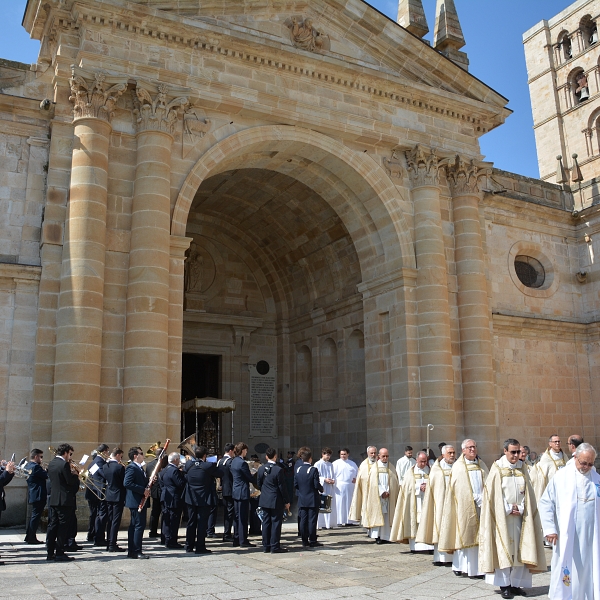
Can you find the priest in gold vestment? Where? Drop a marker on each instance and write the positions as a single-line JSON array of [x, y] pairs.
[[459, 532], [361, 489], [548, 466], [511, 544]]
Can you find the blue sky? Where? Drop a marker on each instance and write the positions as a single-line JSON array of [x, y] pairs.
[[493, 30]]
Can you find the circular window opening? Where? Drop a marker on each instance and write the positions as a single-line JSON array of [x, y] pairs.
[[530, 271], [263, 367]]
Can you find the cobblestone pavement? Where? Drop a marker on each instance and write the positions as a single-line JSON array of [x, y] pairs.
[[348, 566]]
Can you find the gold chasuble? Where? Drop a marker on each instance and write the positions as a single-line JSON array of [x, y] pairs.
[[361, 490], [372, 515], [428, 531], [406, 517], [547, 467], [497, 547], [460, 519]]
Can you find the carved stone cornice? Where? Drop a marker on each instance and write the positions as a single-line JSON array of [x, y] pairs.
[[157, 105], [423, 166], [465, 176], [94, 94]]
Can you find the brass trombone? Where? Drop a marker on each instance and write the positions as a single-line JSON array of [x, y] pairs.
[[85, 481]]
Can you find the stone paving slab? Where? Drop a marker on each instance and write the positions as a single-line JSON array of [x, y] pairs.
[[347, 566]]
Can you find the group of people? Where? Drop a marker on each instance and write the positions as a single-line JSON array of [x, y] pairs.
[[487, 523], [491, 523]]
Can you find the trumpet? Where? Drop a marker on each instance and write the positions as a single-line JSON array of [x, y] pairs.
[[20, 471]]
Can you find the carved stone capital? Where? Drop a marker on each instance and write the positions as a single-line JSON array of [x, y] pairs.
[[157, 105], [423, 166], [94, 94], [465, 176]]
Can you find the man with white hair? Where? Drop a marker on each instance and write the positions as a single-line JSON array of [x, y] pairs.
[[345, 472], [459, 532], [410, 503], [570, 514], [172, 486], [428, 531], [361, 490]]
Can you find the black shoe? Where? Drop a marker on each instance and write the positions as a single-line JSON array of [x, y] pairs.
[[152, 535], [315, 544], [63, 558], [51, 557], [476, 576], [458, 573], [506, 593], [265, 550], [175, 546], [236, 544], [228, 538], [518, 591], [210, 535], [75, 548], [1, 563], [305, 544], [140, 555], [116, 549], [279, 550], [34, 542], [437, 563], [248, 545], [204, 551]]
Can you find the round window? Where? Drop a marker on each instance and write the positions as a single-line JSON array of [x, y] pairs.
[[530, 271]]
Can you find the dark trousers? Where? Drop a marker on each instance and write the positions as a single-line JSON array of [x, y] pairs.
[[212, 520], [155, 513], [37, 508], [253, 519], [171, 517], [101, 521], [135, 533], [228, 515], [271, 528], [240, 523], [308, 524], [60, 524], [197, 525], [94, 505], [114, 514]]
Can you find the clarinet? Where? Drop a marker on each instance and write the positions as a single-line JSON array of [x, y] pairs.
[[154, 475]]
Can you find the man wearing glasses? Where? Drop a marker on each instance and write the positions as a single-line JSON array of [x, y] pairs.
[[510, 539], [548, 466], [570, 514]]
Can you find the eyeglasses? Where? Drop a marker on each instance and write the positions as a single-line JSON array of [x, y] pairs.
[[585, 464], [513, 452], [470, 447]]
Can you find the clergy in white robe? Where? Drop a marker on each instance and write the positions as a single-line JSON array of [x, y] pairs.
[[410, 505], [511, 545], [361, 489], [548, 466], [345, 472], [405, 463], [570, 514], [327, 479], [459, 532], [430, 521]]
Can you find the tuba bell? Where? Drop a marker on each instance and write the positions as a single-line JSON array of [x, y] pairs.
[[189, 445], [151, 454]]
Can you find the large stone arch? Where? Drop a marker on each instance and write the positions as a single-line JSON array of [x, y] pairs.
[[387, 223]]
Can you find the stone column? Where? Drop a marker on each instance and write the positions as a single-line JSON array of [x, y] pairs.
[[80, 309], [147, 321], [433, 312], [176, 269], [479, 407]]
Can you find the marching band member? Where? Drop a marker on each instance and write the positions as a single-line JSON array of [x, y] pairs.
[[114, 473], [37, 494], [6, 475], [136, 482], [98, 509], [172, 487]]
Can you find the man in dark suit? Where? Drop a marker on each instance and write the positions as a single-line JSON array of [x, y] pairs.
[[273, 498], [241, 478], [6, 475], [94, 488], [64, 484], [37, 494], [136, 484], [227, 489], [172, 488], [114, 473], [156, 509], [308, 486], [200, 497]]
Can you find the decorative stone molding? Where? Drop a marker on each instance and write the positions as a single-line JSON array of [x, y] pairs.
[[153, 110], [194, 126], [394, 165], [94, 94], [464, 176], [423, 166], [305, 36]]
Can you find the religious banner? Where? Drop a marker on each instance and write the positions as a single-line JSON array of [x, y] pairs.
[[263, 400]]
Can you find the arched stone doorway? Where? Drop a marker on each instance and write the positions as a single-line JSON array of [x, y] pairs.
[[302, 258]]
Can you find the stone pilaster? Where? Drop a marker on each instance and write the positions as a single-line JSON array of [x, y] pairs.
[[145, 397], [80, 309], [465, 178], [433, 320]]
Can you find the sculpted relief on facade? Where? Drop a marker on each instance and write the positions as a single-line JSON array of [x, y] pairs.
[[305, 36]]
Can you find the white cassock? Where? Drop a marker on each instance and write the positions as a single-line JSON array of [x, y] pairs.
[[570, 507], [467, 559], [327, 520], [384, 486], [403, 465], [513, 492], [420, 496], [344, 471]]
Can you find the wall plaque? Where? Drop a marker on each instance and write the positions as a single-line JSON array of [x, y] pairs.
[[263, 400]]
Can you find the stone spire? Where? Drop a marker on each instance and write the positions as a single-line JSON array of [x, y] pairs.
[[448, 36], [412, 17]]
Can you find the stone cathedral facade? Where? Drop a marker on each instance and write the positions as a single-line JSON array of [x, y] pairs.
[[195, 195]]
